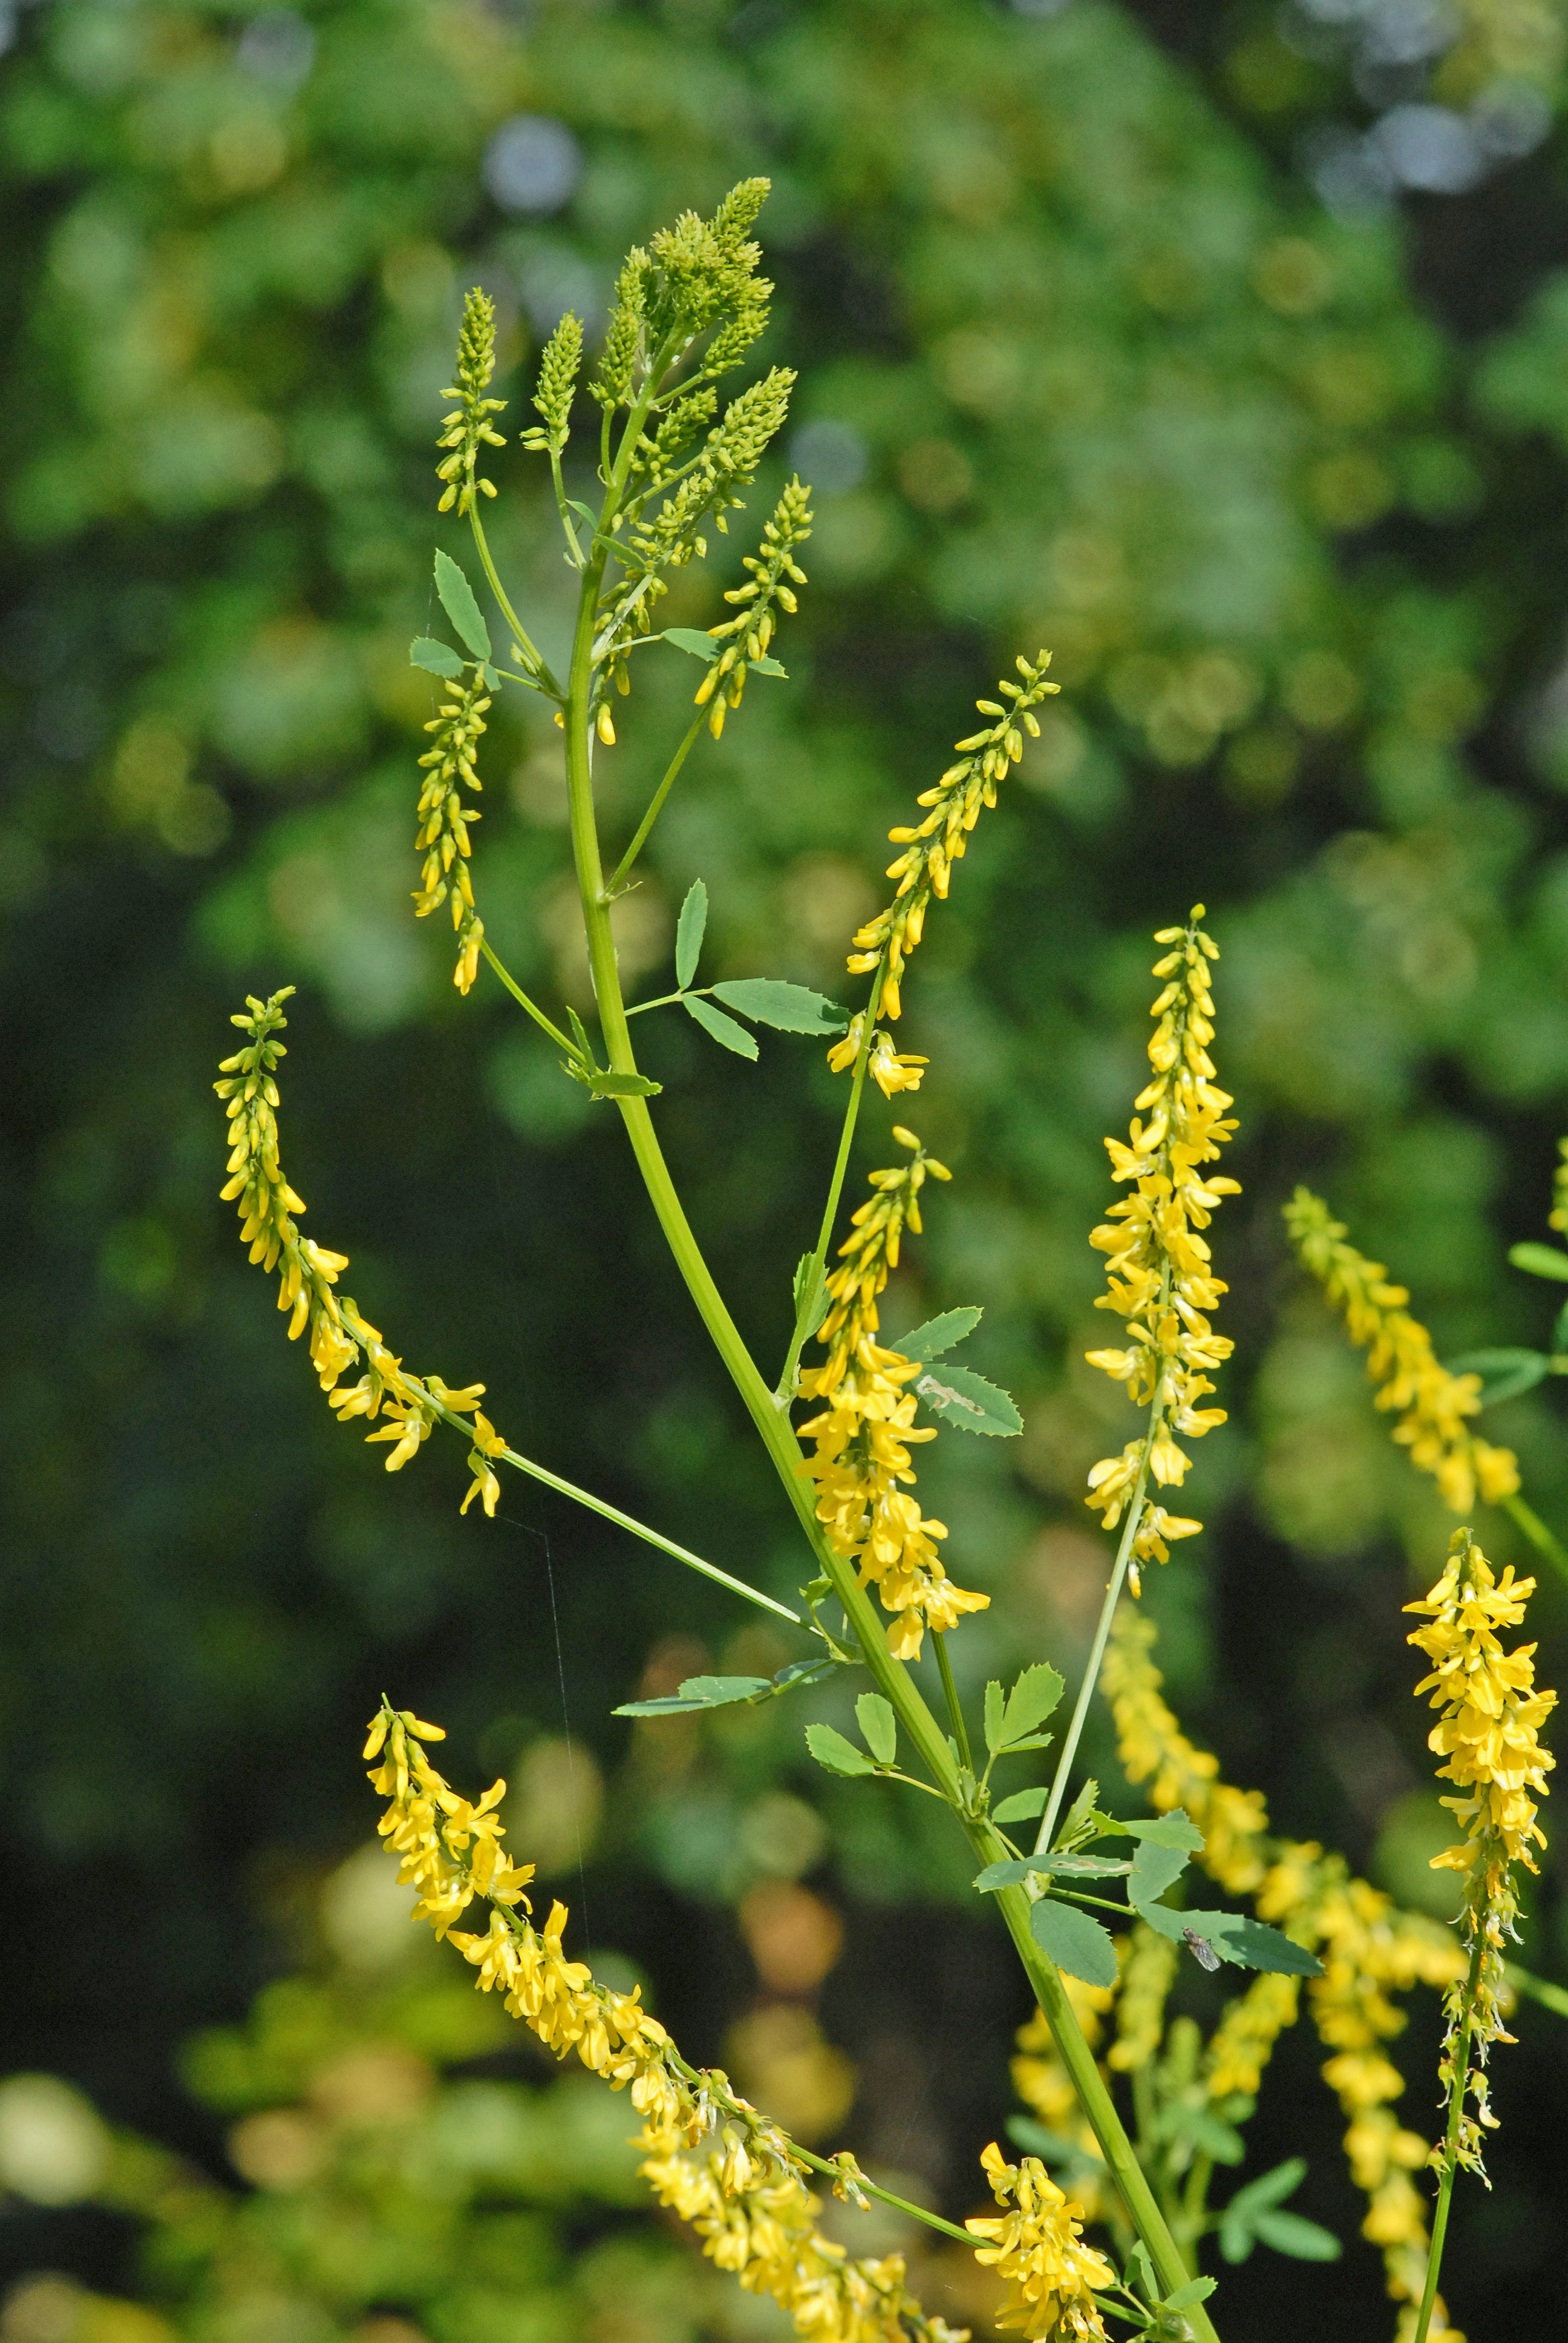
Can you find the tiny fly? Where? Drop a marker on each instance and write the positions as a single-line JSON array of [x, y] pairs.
[[1201, 1950]]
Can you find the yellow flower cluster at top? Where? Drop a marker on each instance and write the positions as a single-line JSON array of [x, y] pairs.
[[1370, 1952], [307, 1275], [1433, 1406], [861, 1462], [1037, 2246], [925, 867], [442, 818], [1487, 1732], [707, 2154], [1161, 1273], [747, 637]]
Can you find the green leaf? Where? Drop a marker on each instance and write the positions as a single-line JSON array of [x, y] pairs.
[[967, 1399], [788, 1008], [838, 1755], [458, 601], [1206, 2131], [1504, 1373], [995, 1709], [1211, 1927], [1154, 1869], [435, 658], [688, 638], [699, 1692], [880, 1726], [1255, 1946], [1175, 1829], [765, 666], [690, 930], [1271, 2188], [803, 1672], [723, 1028], [1073, 1941], [611, 1085], [1024, 1807], [1079, 1813], [1539, 1261], [802, 1274], [1303, 2240], [939, 1334], [1035, 1741], [1000, 1874], [1030, 1701], [1197, 2289]]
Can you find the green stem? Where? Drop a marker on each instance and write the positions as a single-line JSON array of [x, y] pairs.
[[525, 641], [515, 989], [1458, 2093], [950, 1692], [883, 2196], [618, 879], [1536, 1531], [806, 1312]]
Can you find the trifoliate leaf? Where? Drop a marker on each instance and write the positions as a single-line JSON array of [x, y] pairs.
[[699, 1692], [1030, 1701], [1255, 1946], [723, 1028], [1270, 2189], [458, 601], [689, 930], [612, 1085], [1073, 1941], [879, 1725], [967, 1399], [788, 1008], [939, 1334], [1504, 1373], [688, 638], [1540, 1260], [435, 658], [1154, 1868], [1024, 1807], [840, 1757], [1175, 1829]]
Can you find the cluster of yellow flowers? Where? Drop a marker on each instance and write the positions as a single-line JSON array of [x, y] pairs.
[[1433, 1406], [1370, 1951], [889, 1069], [443, 833], [861, 1462], [308, 1273], [925, 867], [1160, 1273], [1487, 1732], [708, 2152], [469, 427], [750, 634], [1036, 2245]]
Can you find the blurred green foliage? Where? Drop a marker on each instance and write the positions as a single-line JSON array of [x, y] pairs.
[[1112, 337]]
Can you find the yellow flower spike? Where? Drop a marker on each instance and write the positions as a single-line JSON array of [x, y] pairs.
[[746, 637], [443, 833], [1160, 1275], [924, 869], [469, 427], [339, 1337], [1433, 1407], [707, 2154], [1489, 1719], [1037, 2246], [861, 1462]]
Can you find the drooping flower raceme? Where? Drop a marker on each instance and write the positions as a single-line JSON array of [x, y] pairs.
[[707, 2154], [1433, 1406], [443, 833], [1160, 1275], [861, 1460], [1036, 2245], [1489, 1716], [411, 1405]]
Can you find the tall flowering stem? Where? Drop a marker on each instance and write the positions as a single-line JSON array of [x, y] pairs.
[[1161, 1280], [1487, 1732]]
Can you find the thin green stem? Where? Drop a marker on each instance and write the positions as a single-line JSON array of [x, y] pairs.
[[1457, 2094], [805, 1314], [655, 808], [883, 2196], [524, 640], [518, 995], [1536, 1531], [563, 509], [951, 1693], [686, 992]]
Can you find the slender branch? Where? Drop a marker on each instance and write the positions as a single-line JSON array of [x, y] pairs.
[[618, 880], [1458, 2090], [525, 641], [812, 1294], [883, 2196], [515, 989], [950, 1692], [1536, 1531]]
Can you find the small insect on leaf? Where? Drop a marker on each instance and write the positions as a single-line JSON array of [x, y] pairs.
[[690, 930], [964, 1398], [1202, 1952]]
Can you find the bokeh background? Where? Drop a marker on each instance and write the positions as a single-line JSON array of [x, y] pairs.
[[1224, 351]]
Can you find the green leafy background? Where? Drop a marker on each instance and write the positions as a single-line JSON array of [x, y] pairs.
[[1104, 345]]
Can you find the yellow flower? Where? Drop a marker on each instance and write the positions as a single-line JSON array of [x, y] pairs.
[[469, 427], [1161, 1277], [443, 820], [746, 638], [862, 1438], [890, 1072], [307, 1274], [1489, 1716], [707, 2154], [925, 867], [1433, 1406], [1038, 2247]]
